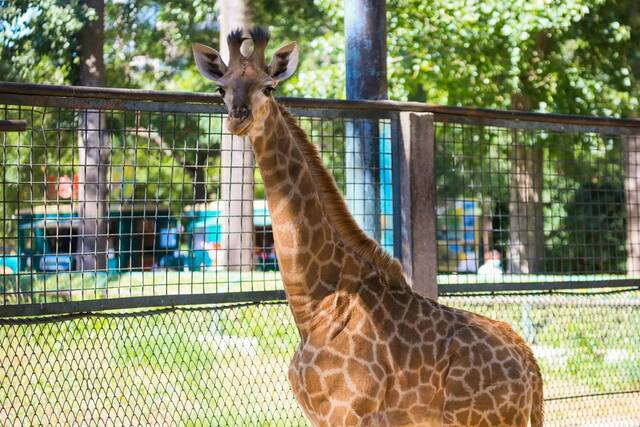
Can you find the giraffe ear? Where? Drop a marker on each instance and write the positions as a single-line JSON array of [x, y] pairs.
[[284, 62], [209, 62]]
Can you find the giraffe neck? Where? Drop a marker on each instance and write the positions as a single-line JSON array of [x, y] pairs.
[[315, 235], [303, 237]]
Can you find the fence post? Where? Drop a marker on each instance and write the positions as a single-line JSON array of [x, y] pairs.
[[631, 153], [417, 201]]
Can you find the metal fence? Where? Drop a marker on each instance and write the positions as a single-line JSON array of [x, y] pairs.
[[117, 204], [170, 202], [537, 205], [227, 365]]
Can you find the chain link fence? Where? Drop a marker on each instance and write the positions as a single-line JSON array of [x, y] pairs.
[[117, 204], [227, 364]]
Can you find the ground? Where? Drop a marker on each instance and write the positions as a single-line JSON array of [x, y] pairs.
[[227, 366]]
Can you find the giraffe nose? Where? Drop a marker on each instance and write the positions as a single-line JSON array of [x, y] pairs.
[[239, 113]]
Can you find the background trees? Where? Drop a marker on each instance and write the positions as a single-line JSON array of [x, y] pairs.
[[574, 56], [577, 56]]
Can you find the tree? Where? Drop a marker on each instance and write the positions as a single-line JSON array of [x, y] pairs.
[[93, 150], [525, 207], [38, 40], [631, 155], [566, 57], [577, 56], [236, 164], [631, 160]]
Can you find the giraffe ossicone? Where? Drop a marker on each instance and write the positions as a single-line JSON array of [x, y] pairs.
[[372, 351]]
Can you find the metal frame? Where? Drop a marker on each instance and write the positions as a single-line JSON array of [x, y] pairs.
[[13, 126], [142, 100], [52, 308], [535, 286], [527, 288], [134, 98]]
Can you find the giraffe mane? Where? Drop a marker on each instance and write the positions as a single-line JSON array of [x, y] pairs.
[[336, 208]]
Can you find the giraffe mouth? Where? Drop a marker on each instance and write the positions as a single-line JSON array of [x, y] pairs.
[[239, 127]]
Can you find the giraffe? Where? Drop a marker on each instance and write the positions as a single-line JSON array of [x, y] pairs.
[[372, 352]]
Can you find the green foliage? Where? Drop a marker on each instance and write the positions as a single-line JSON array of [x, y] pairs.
[[577, 56], [155, 52], [591, 235], [572, 57], [38, 40], [548, 55], [587, 351]]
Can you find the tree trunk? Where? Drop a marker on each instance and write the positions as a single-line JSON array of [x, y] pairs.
[[632, 202], [94, 153], [236, 165], [199, 176], [526, 224]]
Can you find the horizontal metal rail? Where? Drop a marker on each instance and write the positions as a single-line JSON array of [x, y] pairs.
[[52, 308], [548, 300], [117, 97], [534, 286], [482, 291], [588, 395]]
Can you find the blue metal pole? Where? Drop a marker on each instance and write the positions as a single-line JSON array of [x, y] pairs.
[[365, 27], [366, 78]]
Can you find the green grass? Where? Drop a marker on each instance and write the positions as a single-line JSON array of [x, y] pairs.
[[189, 367], [76, 286]]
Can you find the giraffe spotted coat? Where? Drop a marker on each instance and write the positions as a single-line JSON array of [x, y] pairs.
[[372, 352]]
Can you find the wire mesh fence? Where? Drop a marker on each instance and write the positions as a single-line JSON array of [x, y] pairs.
[[119, 201], [104, 199], [227, 365], [209, 366], [537, 206]]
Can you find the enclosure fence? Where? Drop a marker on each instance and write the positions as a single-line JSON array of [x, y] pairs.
[[140, 283]]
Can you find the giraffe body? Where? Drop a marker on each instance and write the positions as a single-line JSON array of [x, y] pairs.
[[401, 359], [372, 351]]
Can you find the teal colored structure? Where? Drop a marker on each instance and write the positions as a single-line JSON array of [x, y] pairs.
[[386, 189], [35, 249], [9, 264], [204, 229], [204, 232], [146, 236], [141, 236]]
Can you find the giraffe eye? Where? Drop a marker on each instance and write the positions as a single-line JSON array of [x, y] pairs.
[[221, 91], [268, 90]]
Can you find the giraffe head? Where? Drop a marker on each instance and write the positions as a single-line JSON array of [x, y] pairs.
[[246, 82]]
